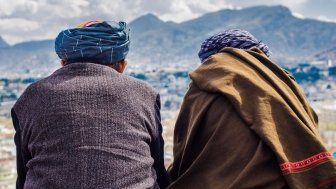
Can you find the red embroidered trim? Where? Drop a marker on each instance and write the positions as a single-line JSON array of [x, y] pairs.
[[306, 163], [90, 23]]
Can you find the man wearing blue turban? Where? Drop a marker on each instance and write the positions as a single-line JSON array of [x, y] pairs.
[[87, 125]]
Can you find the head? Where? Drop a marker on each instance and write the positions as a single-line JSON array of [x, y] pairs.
[[95, 42], [235, 38]]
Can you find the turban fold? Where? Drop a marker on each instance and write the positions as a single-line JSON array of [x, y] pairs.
[[94, 41], [230, 38]]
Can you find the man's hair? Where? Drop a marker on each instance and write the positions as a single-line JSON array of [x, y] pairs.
[[114, 66]]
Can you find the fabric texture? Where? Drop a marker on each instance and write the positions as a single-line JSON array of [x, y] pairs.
[[87, 126], [94, 41], [235, 38], [245, 123]]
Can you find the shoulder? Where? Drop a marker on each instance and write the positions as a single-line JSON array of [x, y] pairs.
[[27, 94], [30, 95]]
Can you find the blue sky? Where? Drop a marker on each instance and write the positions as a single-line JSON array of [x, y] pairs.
[[23, 20]]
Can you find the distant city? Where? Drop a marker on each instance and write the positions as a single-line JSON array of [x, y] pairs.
[[317, 78]]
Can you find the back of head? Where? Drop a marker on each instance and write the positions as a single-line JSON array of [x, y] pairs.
[[95, 42], [234, 38]]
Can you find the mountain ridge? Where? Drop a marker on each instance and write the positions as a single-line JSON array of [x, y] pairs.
[[3, 43], [291, 39]]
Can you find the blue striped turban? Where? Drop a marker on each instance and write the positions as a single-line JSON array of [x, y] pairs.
[[94, 41], [230, 38]]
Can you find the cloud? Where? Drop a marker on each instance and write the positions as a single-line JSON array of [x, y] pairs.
[[18, 24], [8, 8], [289, 3], [318, 9], [298, 15], [326, 19], [188, 9], [48, 17], [45, 18], [39, 19]]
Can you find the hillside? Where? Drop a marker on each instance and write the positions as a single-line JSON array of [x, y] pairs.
[[153, 41], [3, 43], [291, 39], [329, 54]]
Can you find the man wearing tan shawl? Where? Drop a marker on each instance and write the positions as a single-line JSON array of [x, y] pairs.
[[246, 123]]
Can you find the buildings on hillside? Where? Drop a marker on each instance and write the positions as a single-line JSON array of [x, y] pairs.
[[318, 80]]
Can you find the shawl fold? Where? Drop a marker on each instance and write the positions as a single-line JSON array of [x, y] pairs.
[[246, 123]]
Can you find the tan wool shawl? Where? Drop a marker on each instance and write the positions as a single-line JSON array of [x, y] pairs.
[[245, 123]]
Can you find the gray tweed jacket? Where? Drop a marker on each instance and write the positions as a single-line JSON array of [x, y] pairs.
[[87, 126]]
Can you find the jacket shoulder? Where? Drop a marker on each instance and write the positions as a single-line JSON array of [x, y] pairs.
[[29, 94]]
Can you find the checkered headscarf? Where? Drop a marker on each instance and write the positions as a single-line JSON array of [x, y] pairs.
[[230, 38]]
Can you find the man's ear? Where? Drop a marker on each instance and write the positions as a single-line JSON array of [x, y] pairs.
[[63, 62], [120, 67]]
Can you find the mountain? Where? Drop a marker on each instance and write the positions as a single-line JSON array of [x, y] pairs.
[[153, 41], [36, 45], [290, 39], [329, 54], [32, 55], [147, 21], [3, 43]]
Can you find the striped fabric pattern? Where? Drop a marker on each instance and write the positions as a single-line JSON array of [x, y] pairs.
[[235, 38], [306, 164], [94, 41]]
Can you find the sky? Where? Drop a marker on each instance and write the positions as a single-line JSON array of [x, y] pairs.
[[25, 20]]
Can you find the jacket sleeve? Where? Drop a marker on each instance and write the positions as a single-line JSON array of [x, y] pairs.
[[21, 168], [157, 149]]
